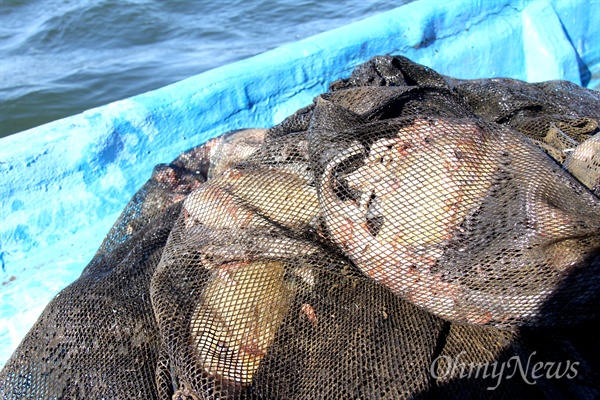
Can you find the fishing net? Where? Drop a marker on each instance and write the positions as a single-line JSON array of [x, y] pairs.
[[407, 235]]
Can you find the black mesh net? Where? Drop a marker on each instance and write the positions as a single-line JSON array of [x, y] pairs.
[[407, 235]]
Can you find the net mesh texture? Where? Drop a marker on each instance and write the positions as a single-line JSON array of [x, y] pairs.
[[407, 235]]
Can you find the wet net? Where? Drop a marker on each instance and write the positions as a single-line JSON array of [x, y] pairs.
[[407, 235]]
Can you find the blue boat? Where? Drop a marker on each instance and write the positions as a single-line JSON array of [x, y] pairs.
[[65, 183]]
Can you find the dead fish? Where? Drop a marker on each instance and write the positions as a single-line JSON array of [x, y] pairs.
[[277, 194], [230, 199], [425, 185], [238, 316], [584, 163], [216, 208]]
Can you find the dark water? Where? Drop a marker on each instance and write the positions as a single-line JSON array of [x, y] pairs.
[[61, 57]]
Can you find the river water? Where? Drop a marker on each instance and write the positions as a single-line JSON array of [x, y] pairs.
[[61, 57]]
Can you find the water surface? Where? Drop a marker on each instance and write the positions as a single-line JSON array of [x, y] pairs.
[[61, 57]]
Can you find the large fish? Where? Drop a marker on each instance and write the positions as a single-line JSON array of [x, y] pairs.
[[238, 316], [473, 225], [237, 197]]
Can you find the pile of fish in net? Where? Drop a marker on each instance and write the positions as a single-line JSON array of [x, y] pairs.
[[407, 235]]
